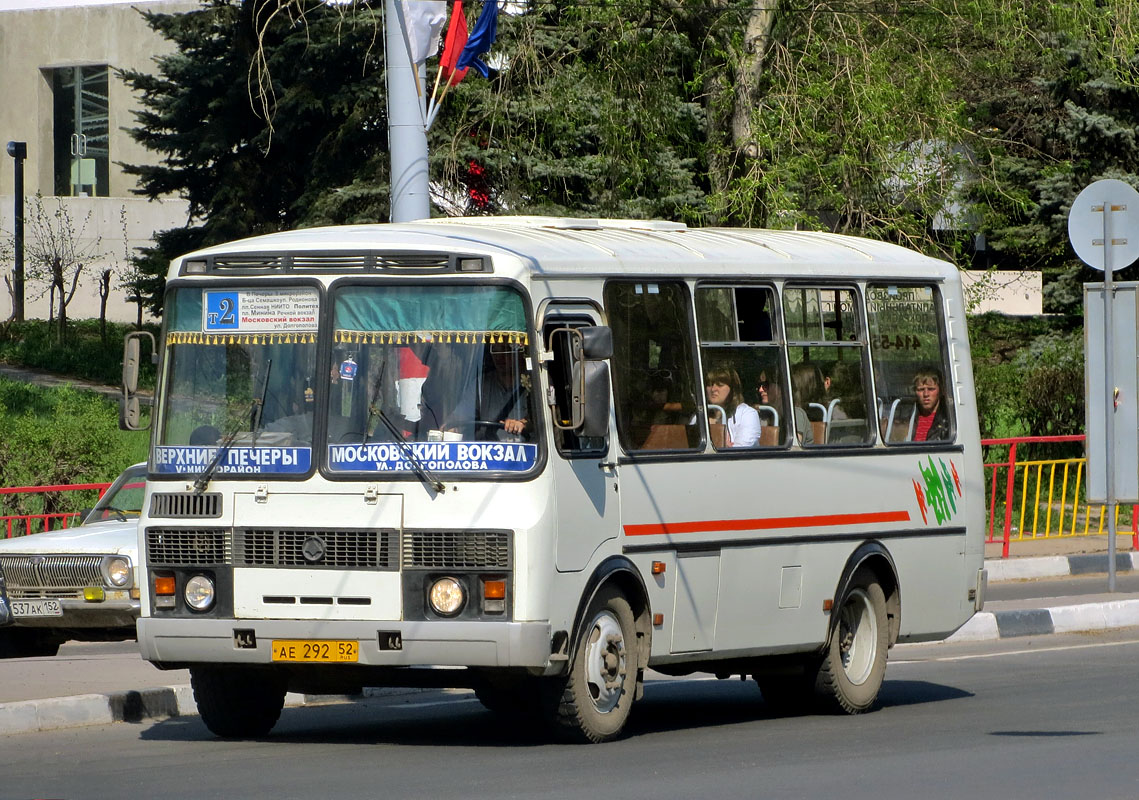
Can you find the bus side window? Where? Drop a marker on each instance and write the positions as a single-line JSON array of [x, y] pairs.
[[654, 371], [742, 366], [907, 344], [827, 352], [559, 375]]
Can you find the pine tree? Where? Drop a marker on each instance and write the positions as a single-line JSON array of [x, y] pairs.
[[253, 158]]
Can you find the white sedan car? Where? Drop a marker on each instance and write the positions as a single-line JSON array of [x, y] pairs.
[[76, 583]]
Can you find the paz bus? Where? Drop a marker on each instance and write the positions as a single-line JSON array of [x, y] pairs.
[[538, 457]]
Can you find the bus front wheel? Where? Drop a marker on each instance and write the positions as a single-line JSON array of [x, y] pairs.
[[602, 683], [237, 703], [854, 663]]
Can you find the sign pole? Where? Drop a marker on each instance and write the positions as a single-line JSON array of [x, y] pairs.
[[1109, 387], [1100, 225]]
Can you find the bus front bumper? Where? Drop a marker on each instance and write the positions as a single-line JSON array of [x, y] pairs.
[[381, 643]]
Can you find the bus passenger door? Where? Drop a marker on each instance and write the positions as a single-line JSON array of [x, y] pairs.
[[584, 477]]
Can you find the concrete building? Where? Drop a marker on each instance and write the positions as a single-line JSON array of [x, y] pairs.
[[61, 96]]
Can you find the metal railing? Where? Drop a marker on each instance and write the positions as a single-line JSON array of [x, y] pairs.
[[1044, 498], [47, 521]]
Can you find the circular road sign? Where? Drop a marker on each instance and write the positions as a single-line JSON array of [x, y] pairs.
[[1112, 203]]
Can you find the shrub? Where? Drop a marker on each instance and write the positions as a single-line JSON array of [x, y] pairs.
[[60, 436]]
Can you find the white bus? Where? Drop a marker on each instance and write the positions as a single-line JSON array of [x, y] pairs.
[[537, 457]]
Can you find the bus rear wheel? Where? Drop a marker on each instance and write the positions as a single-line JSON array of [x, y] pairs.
[[595, 703], [238, 703], [854, 663]]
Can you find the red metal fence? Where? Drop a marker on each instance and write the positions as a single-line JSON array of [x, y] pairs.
[[13, 523]]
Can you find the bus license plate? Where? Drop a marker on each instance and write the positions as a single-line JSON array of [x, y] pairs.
[[320, 651], [36, 608]]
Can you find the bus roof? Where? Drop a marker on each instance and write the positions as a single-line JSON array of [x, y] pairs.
[[556, 247]]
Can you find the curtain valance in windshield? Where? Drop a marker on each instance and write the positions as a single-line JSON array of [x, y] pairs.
[[406, 314]]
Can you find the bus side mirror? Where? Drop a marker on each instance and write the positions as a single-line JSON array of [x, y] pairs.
[[595, 405], [591, 345], [129, 412], [596, 342]]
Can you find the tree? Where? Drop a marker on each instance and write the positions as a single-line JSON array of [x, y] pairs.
[[589, 115], [255, 157], [58, 253], [7, 256], [1059, 111]]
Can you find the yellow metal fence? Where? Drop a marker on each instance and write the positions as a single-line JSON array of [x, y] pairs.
[[1045, 498]]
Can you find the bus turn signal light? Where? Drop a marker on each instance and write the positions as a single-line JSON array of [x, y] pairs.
[[494, 590], [164, 585], [658, 567]]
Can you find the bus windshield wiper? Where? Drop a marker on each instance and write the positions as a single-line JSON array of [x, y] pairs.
[[258, 409], [417, 467], [255, 410], [203, 479]]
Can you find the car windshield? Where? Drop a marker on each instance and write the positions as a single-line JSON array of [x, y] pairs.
[[123, 500], [438, 375], [240, 375]]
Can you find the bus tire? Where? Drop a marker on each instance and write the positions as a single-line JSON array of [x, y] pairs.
[[602, 682], [854, 663], [237, 703]]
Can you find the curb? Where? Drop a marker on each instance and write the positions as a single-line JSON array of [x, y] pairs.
[[53, 713], [1083, 618], [1024, 569]]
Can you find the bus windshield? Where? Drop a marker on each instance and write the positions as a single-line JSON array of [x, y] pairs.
[[240, 377], [432, 373]]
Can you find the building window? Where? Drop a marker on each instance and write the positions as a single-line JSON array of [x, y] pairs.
[[82, 154]]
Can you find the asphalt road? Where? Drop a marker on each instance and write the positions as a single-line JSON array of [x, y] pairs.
[[1052, 717]]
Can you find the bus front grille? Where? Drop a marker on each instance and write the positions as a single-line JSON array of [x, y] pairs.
[[174, 547], [185, 505], [456, 549], [314, 548]]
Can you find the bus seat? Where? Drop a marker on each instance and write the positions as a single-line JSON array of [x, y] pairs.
[[666, 437], [767, 413], [769, 436], [819, 431], [719, 434], [822, 410]]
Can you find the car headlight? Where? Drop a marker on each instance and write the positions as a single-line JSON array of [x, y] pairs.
[[447, 597], [199, 592], [117, 571]]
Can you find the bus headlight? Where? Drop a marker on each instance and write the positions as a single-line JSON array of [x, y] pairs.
[[447, 597], [199, 592], [117, 571]]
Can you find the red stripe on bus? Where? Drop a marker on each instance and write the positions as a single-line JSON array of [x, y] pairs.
[[770, 523]]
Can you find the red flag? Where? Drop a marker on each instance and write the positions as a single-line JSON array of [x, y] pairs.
[[453, 45]]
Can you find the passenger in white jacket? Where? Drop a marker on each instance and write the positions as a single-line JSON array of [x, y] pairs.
[[724, 393]]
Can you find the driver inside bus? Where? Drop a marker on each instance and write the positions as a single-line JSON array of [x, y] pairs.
[[475, 392], [503, 398]]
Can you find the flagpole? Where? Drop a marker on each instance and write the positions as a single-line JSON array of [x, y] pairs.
[[407, 47], [407, 132], [435, 108]]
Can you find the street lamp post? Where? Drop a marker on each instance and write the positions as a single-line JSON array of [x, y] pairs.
[[18, 151]]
